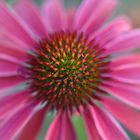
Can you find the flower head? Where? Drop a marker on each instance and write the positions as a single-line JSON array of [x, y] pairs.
[[70, 64]]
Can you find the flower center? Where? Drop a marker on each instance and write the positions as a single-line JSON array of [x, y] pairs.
[[66, 70]]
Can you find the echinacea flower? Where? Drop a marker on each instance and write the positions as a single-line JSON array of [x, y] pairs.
[[70, 63]]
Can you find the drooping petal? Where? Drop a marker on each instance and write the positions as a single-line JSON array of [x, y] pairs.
[[126, 115], [15, 123], [100, 14], [90, 125], [125, 92], [107, 126], [124, 42], [112, 30], [64, 128], [11, 103], [54, 15], [33, 127], [30, 14], [17, 27]]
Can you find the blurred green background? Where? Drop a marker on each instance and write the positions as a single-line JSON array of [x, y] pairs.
[[130, 8]]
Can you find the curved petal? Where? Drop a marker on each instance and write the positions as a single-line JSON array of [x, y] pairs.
[[64, 128], [101, 13], [28, 11], [10, 103], [120, 111], [112, 30], [125, 92], [15, 123], [32, 129], [54, 15], [90, 124], [130, 40], [107, 126], [16, 27]]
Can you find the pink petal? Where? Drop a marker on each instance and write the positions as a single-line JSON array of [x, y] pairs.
[[85, 10], [125, 92], [70, 17], [101, 13], [33, 127], [54, 15], [90, 125], [107, 126], [14, 124], [8, 65], [128, 116], [29, 12], [64, 127], [125, 61], [9, 40], [21, 56], [129, 74], [126, 69], [12, 45], [7, 82], [9, 103], [112, 30], [17, 27], [124, 42]]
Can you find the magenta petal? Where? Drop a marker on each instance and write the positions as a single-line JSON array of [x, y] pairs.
[[128, 116], [64, 127], [125, 61], [128, 75], [12, 46], [124, 42], [12, 81], [54, 15], [126, 69], [21, 56], [107, 126], [101, 13], [29, 12], [8, 65], [112, 30], [33, 127], [15, 123], [10, 103], [125, 92], [90, 124], [70, 18], [83, 13], [16, 26]]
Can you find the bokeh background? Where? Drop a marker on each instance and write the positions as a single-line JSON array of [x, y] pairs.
[[131, 8]]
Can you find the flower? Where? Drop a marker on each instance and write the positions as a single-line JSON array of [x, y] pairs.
[[70, 63]]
